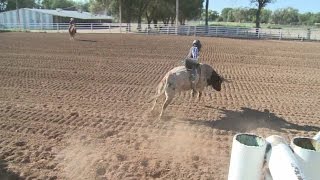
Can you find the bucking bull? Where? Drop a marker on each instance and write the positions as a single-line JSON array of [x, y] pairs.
[[178, 79]]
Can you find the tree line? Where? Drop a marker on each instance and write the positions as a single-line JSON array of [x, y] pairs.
[[131, 10], [163, 11], [283, 16]]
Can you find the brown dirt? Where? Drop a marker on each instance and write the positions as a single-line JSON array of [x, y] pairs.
[[79, 110]]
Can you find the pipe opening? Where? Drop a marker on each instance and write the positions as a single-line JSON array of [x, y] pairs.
[[250, 140], [307, 143]]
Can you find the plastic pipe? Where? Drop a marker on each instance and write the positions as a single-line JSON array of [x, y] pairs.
[[281, 161], [307, 151], [247, 156], [317, 137], [267, 175]]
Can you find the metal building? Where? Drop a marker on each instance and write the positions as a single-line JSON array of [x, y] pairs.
[[46, 18]]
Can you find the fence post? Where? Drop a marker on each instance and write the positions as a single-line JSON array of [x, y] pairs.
[[280, 35], [91, 27], [168, 29], [308, 33], [216, 31], [109, 28], [176, 28], [195, 30]]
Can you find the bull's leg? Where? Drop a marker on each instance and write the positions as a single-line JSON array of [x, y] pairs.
[[154, 104], [193, 86], [193, 81], [169, 96], [200, 94]]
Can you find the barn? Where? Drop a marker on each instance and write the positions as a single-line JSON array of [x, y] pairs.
[[47, 18]]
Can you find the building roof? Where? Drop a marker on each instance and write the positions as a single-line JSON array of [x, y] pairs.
[[74, 14]]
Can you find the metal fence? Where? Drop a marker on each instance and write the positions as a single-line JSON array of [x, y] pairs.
[[211, 31]]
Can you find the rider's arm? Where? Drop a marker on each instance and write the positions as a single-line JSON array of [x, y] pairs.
[[190, 53]]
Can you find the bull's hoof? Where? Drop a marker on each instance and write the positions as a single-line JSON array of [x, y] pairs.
[[194, 93], [152, 113]]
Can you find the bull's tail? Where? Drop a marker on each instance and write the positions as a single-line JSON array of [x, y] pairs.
[[160, 89]]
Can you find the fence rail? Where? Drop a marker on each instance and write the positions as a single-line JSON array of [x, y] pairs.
[[213, 31]]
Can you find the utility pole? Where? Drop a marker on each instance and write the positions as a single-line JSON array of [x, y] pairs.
[[177, 15], [120, 14], [207, 7], [18, 16]]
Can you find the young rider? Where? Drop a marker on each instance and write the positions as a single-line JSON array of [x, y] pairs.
[[192, 62], [71, 23]]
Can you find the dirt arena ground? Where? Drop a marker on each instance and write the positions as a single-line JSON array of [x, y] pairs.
[[79, 110]]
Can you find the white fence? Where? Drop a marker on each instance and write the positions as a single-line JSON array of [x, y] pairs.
[[215, 31]]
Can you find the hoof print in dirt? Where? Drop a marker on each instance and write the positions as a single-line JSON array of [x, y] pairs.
[[20, 143]]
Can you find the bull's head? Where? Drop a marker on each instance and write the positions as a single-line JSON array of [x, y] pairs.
[[215, 81]]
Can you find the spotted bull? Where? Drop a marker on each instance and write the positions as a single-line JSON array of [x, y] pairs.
[[178, 80]]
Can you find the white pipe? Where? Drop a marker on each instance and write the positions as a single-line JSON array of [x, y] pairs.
[[317, 137], [307, 151], [267, 175], [247, 156], [281, 161]]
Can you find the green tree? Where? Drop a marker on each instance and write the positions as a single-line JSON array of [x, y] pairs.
[[251, 15], [83, 6], [53, 4], [230, 17], [212, 15], [7, 5], [127, 9], [163, 10], [239, 14], [286, 16], [306, 18], [260, 5], [190, 9], [140, 10], [97, 7], [152, 10], [265, 16], [3, 5], [316, 18], [225, 13]]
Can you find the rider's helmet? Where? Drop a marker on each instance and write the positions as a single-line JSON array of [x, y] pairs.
[[197, 43], [71, 19]]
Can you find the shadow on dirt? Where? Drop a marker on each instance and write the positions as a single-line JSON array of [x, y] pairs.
[[250, 119], [6, 174], [86, 40]]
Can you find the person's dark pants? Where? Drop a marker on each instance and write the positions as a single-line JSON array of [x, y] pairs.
[[192, 65]]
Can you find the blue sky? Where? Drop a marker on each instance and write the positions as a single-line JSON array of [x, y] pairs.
[[302, 5]]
